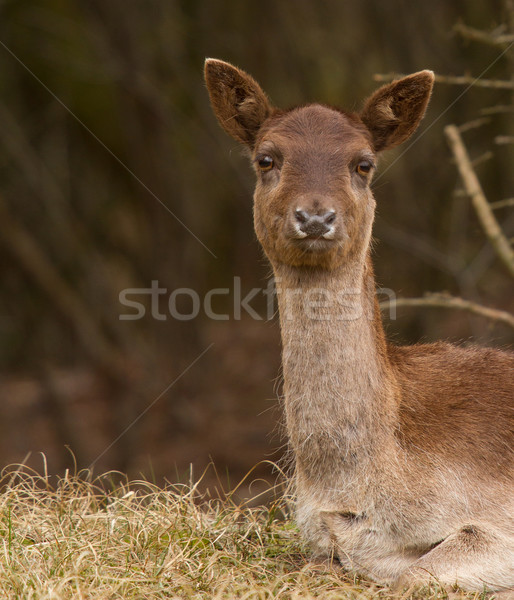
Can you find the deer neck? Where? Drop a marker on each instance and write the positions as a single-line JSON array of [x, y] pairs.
[[339, 394]]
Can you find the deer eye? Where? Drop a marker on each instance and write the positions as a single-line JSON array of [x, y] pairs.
[[364, 167], [266, 163]]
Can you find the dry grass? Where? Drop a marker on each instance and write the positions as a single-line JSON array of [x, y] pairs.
[[83, 538]]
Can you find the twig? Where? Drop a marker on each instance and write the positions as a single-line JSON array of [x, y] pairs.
[[502, 203], [482, 208], [499, 109], [460, 193], [482, 158], [474, 124], [504, 139], [436, 300], [455, 80], [485, 37]]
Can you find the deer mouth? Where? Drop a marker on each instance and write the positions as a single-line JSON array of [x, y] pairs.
[[313, 243]]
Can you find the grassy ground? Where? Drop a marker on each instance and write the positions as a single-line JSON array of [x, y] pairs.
[[95, 539]]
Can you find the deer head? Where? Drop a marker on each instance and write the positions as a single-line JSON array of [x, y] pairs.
[[314, 164]]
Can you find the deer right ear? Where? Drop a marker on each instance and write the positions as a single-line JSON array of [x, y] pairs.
[[392, 114], [237, 100]]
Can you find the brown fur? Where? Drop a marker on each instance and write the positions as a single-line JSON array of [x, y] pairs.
[[404, 455]]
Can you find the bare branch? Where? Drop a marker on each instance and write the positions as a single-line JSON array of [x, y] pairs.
[[477, 35], [498, 109], [502, 203], [455, 80], [460, 193], [482, 158], [482, 208], [504, 139], [474, 124], [436, 300]]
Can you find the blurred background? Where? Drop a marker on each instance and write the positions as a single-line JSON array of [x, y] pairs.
[[115, 174]]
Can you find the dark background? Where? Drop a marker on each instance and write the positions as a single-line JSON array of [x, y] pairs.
[[106, 129]]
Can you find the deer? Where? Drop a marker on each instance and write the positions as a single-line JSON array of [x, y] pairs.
[[403, 455]]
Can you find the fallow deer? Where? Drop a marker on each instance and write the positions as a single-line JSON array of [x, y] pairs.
[[404, 455]]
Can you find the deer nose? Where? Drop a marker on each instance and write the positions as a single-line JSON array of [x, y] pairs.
[[314, 224]]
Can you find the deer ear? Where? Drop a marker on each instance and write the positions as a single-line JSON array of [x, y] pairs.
[[394, 111], [237, 100]]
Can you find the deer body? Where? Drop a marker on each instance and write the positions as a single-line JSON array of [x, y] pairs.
[[404, 455]]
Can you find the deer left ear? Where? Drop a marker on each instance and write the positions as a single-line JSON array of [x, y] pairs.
[[394, 111]]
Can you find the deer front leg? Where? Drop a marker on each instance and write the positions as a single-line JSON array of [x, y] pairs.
[[475, 558], [364, 549]]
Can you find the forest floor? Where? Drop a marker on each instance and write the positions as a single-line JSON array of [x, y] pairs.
[[110, 538]]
